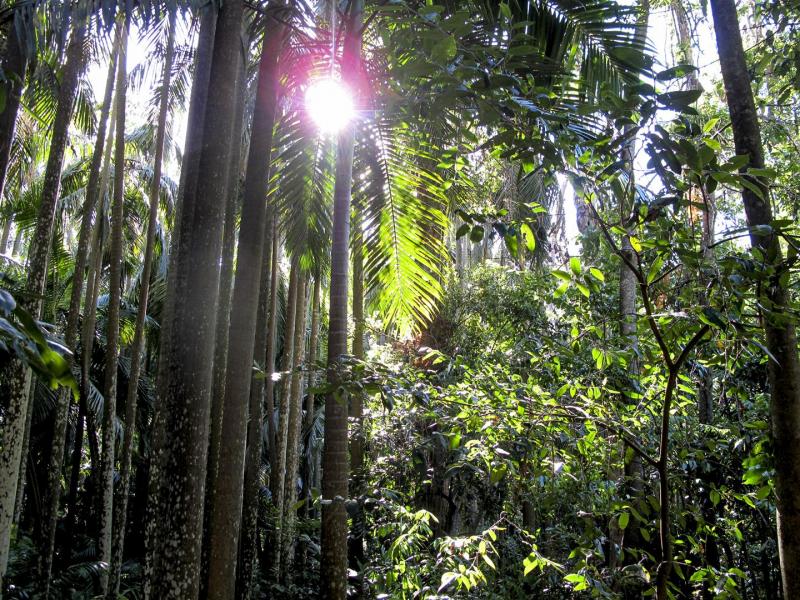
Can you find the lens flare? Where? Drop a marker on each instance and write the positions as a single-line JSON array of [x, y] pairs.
[[329, 104]]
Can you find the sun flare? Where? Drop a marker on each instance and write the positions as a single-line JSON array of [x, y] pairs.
[[329, 104]]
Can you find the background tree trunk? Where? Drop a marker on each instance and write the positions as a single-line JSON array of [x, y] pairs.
[[248, 550], [295, 408], [112, 316], [53, 492], [15, 62], [278, 486], [19, 377], [137, 346]]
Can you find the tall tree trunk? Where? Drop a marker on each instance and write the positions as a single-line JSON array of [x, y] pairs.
[[189, 348], [311, 362], [5, 235], [121, 508], [226, 516], [278, 483], [112, 314], [225, 291], [335, 467], [781, 339], [248, 549], [269, 364], [356, 541], [15, 61], [19, 377], [93, 278], [187, 185], [295, 408], [53, 492]]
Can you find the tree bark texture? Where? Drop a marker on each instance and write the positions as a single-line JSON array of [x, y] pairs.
[[19, 376], [189, 345], [112, 316], [781, 338], [226, 516], [137, 346], [335, 463]]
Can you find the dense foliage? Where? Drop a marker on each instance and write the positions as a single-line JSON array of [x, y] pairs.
[[523, 326]]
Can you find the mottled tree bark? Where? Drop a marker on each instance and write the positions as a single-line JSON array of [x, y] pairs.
[[186, 377], [293, 431], [15, 61], [781, 338], [112, 315], [19, 377], [137, 346], [187, 184], [53, 492]]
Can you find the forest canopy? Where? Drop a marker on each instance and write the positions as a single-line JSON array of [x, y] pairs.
[[399, 299]]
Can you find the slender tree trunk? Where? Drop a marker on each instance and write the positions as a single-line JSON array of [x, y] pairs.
[[15, 62], [93, 279], [356, 555], [19, 377], [781, 339], [279, 483], [269, 365], [120, 517], [189, 348], [226, 516], [295, 407], [112, 315], [248, 550], [187, 185], [5, 235], [53, 492], [335, 467], [311, 362]]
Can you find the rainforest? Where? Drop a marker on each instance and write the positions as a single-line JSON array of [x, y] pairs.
[[399, 299]]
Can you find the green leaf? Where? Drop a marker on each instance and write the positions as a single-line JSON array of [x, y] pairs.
[[562, 275], [675, 72], [623, 520], [530, 238], [597, 274], [446, 49], [679, 100], [655, 269], [575, 265]]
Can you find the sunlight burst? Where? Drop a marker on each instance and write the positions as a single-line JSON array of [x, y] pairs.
[[330, 104]]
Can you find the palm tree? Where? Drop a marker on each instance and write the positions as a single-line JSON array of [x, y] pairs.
[[15, 62], [137, 345], [226, 514], [53, 492], [19, 376], [112, 319], [186, 379], [335, 463]]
